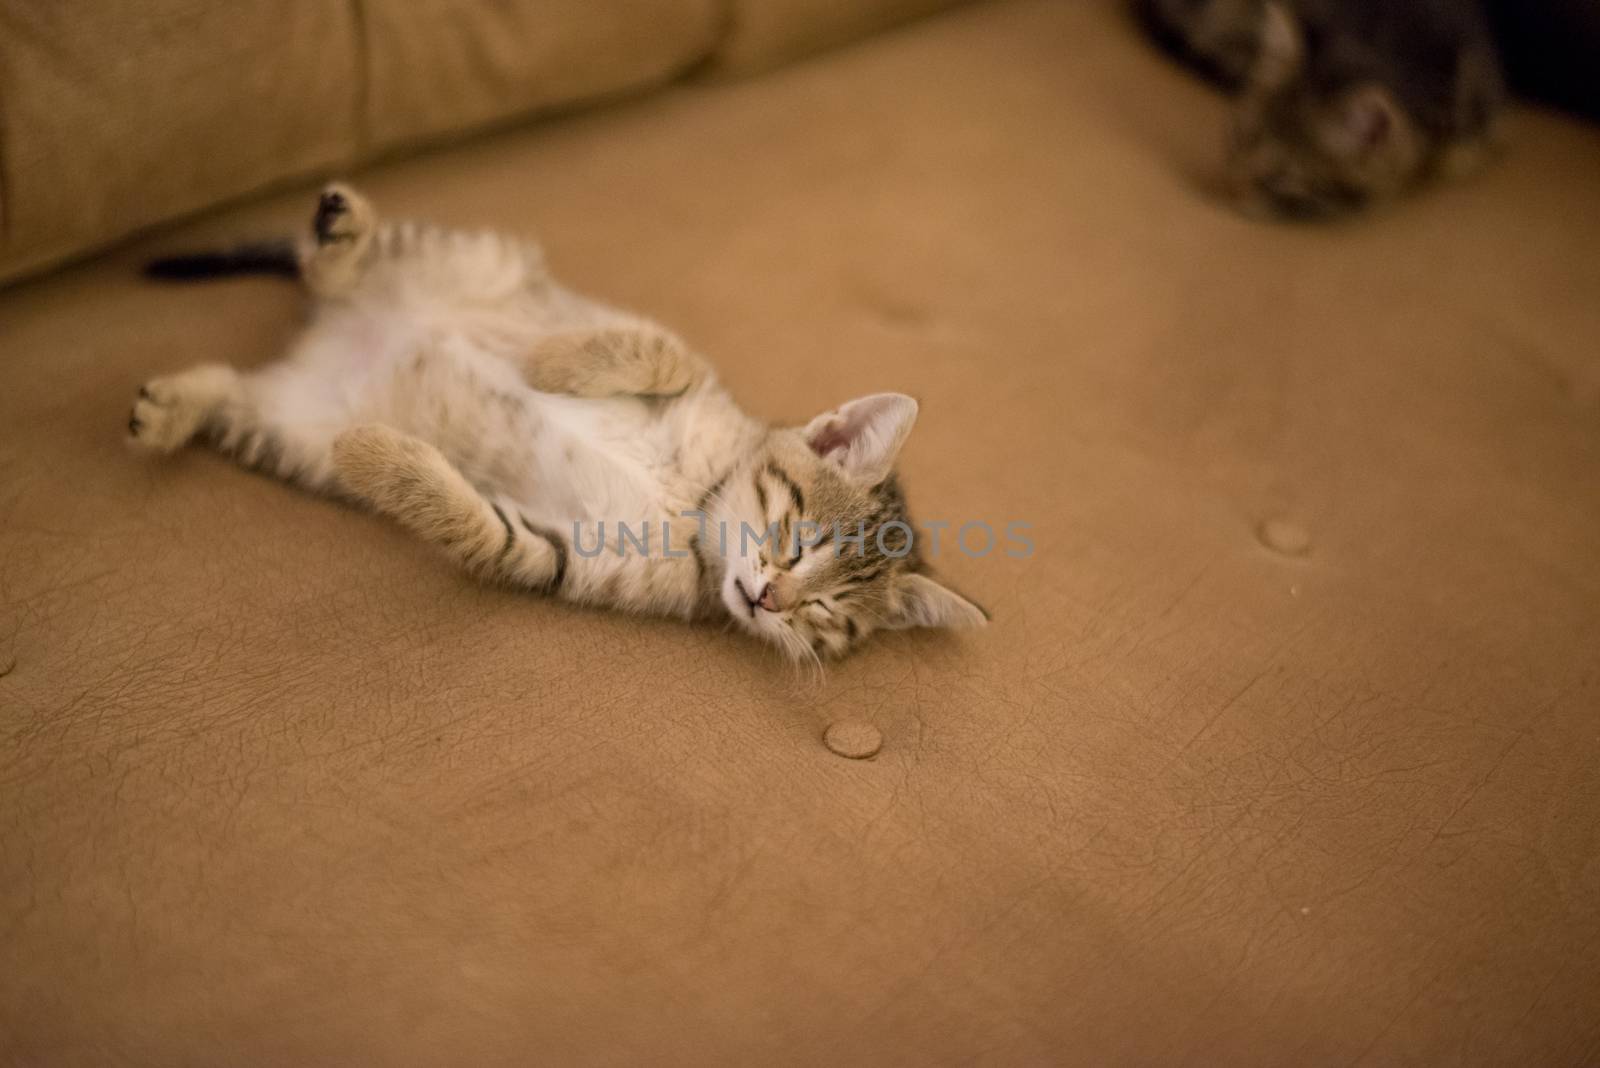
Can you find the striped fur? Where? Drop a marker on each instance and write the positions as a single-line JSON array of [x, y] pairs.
[[449, 382]]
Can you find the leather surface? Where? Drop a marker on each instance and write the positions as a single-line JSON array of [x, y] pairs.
[[120, 114], [276, 786], [761, 34]]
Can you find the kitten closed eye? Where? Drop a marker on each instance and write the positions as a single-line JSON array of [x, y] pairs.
[[448, 383]]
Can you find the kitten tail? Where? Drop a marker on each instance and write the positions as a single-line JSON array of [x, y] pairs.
[[277, 258]]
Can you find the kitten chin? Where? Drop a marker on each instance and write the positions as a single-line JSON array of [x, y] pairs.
[[551, 443]]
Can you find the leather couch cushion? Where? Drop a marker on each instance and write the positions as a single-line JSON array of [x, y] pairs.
[[439, 67], [1280, 749], [764, 33], [123, 113]]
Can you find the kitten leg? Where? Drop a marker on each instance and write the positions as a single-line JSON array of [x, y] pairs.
[[169, 411], [216, 404], [342, 232], [410, 481], [643, 360]]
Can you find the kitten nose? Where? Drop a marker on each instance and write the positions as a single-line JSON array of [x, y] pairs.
[[768, 598]]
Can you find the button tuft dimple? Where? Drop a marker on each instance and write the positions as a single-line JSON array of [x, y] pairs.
[[853, 739], [1284, 536]]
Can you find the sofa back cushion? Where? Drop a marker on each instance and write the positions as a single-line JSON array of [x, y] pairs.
[[765, 33], [116, 115]]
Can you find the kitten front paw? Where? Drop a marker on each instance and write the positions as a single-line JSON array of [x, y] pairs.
[[159, 422], [170, 410]]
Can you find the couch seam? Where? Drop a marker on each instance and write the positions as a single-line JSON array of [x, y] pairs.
[[727, 27], [6, 185], [362, 93], [724, 26]]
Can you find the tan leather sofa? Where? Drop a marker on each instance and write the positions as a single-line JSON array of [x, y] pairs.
[[1281, 748]]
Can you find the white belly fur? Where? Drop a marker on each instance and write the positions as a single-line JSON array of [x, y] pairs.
[[562, 459]]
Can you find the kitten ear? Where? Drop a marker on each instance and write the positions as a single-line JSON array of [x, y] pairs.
[[865, 435], [1366, 122], [1283, 48], [925, 603]]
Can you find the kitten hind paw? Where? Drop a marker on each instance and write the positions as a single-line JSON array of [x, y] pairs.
[[342, 229], [342, 216]]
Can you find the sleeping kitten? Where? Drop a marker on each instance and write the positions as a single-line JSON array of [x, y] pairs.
[[1344, 104], [447, 381]]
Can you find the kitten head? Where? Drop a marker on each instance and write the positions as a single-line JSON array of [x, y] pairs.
[[1311, 144], [817, 546]]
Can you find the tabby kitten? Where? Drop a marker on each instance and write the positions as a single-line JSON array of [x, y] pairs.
[[447, 381], [1343, 104]]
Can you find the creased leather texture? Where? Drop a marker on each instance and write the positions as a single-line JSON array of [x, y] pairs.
[[119, 114], [278, 787], [436, 67], [761, 34]]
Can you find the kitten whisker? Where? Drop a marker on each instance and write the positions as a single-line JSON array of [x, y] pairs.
[[462, 426]]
